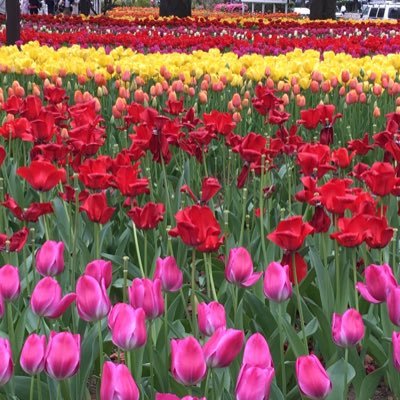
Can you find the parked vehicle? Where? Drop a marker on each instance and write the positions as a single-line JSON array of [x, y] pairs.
[[388, 10]]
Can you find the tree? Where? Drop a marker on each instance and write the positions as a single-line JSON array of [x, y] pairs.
[[13, 21], [322, 9]]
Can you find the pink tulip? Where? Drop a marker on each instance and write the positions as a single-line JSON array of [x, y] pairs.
[[117, 383], [6, 363], [312, 378], [393, 305], [347, 329], [100, 269], [168, 272], [239, 269], [63, 355], [145, 293], [127, 326], [92, 300], [210, 317], [10, 286], [257, 353], [169, 396], [379, 279], [1, 306], [50, 258], [396, 350], [254, 383], [187, 361], [222, 348], [46, 299], [33, 353], [277, 285]]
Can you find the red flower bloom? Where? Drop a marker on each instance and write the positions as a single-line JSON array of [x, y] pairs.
[[301, 266], [380, 178], [342, 158], [320, 220], [310, 118], [2, 155], [19, 128], [42, 175], [379, 234], [148, 216], [17, 240], [96, 208], [32, 107], [43, 128], [252, 147], [127, 181], [290, 233], [219, 122], [13, 105], [310, 189], [265, 100], [94, 173], [351, 230], [314, 160], [360, 146], [197, 227], [209, 188]]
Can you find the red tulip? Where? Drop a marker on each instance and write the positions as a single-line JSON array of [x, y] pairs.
[[379, 279], [239, 268], [6, 363], [380, 178], [310, 118], [168, 272], [351, 230], [209, 188], [2, 155], [342, 158], [100, 269], [92, 300], [347, 329], [220, 122], [96, 208], [187, 361], [277, 285], [360, 146], [210, 317], [379, 234], [252, 147], [148, 216], [50, 258], [33, 354], [117, 383], [17, 240], [223, 347], [10, 285], [197, 227], [145, 293], [127, 326], [396, 350], [42, 175], [63, 355], [290, 233], [314, 160], [312, 378], [46, 299], [320, 220]]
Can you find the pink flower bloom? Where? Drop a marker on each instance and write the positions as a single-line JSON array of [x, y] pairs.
[[187, 361], [10, 286], [210, 317], [63, 355], [257, 353], [277, 285], [100, 269], [6, 363], [169, 396], [127, 326], [92, 299], [168, 272], [239, 269], [222, 348], [312, 378], [33, 353], [393, 305], [50, 258], [46, 299], [347, 329], [117, 383], [396, 350]]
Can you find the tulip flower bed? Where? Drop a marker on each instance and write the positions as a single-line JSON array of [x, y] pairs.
[[199, 225]]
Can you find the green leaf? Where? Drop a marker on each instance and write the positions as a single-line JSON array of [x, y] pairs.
[[337, 372], [371, 382], [294, 340]]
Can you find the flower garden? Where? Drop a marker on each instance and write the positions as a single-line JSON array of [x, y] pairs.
[[200, 208]]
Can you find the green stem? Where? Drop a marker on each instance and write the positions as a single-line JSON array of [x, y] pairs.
[[337, 267], [145, 253], [46, 230], [138, 250], [193, 287], [169, 209], [166, 330], [32, 387], [346, 357], [151, 351], [289, 188], [125, 274], [59, 391], [97, 228], [299, 307], [243, 216], [210, 274], [39, 382], [235, 301], [11, 332], [355, 278], [184, 302], [281, 346], [261, 205], [128, 358], [101, 356], [209, 377]]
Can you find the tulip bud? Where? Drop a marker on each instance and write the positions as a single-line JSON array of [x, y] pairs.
[[50, 258], [396, 350], [10, 286], [393, 305], [46, 299], [169, 396], [347, 329], [33, 354], [222, 348], [277, 285], [145, 293], [187, 361], [92, 299], [6, 363], [254, 383], [312, 378], [100, 269], [168, 272], [257, 353], [210, 317], [117, 383], [63, 355], [239, 269], [127, 326]]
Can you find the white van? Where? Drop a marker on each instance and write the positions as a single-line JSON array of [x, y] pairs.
[[386, 10]]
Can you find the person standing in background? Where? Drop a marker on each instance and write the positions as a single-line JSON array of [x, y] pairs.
[[34, 6]]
